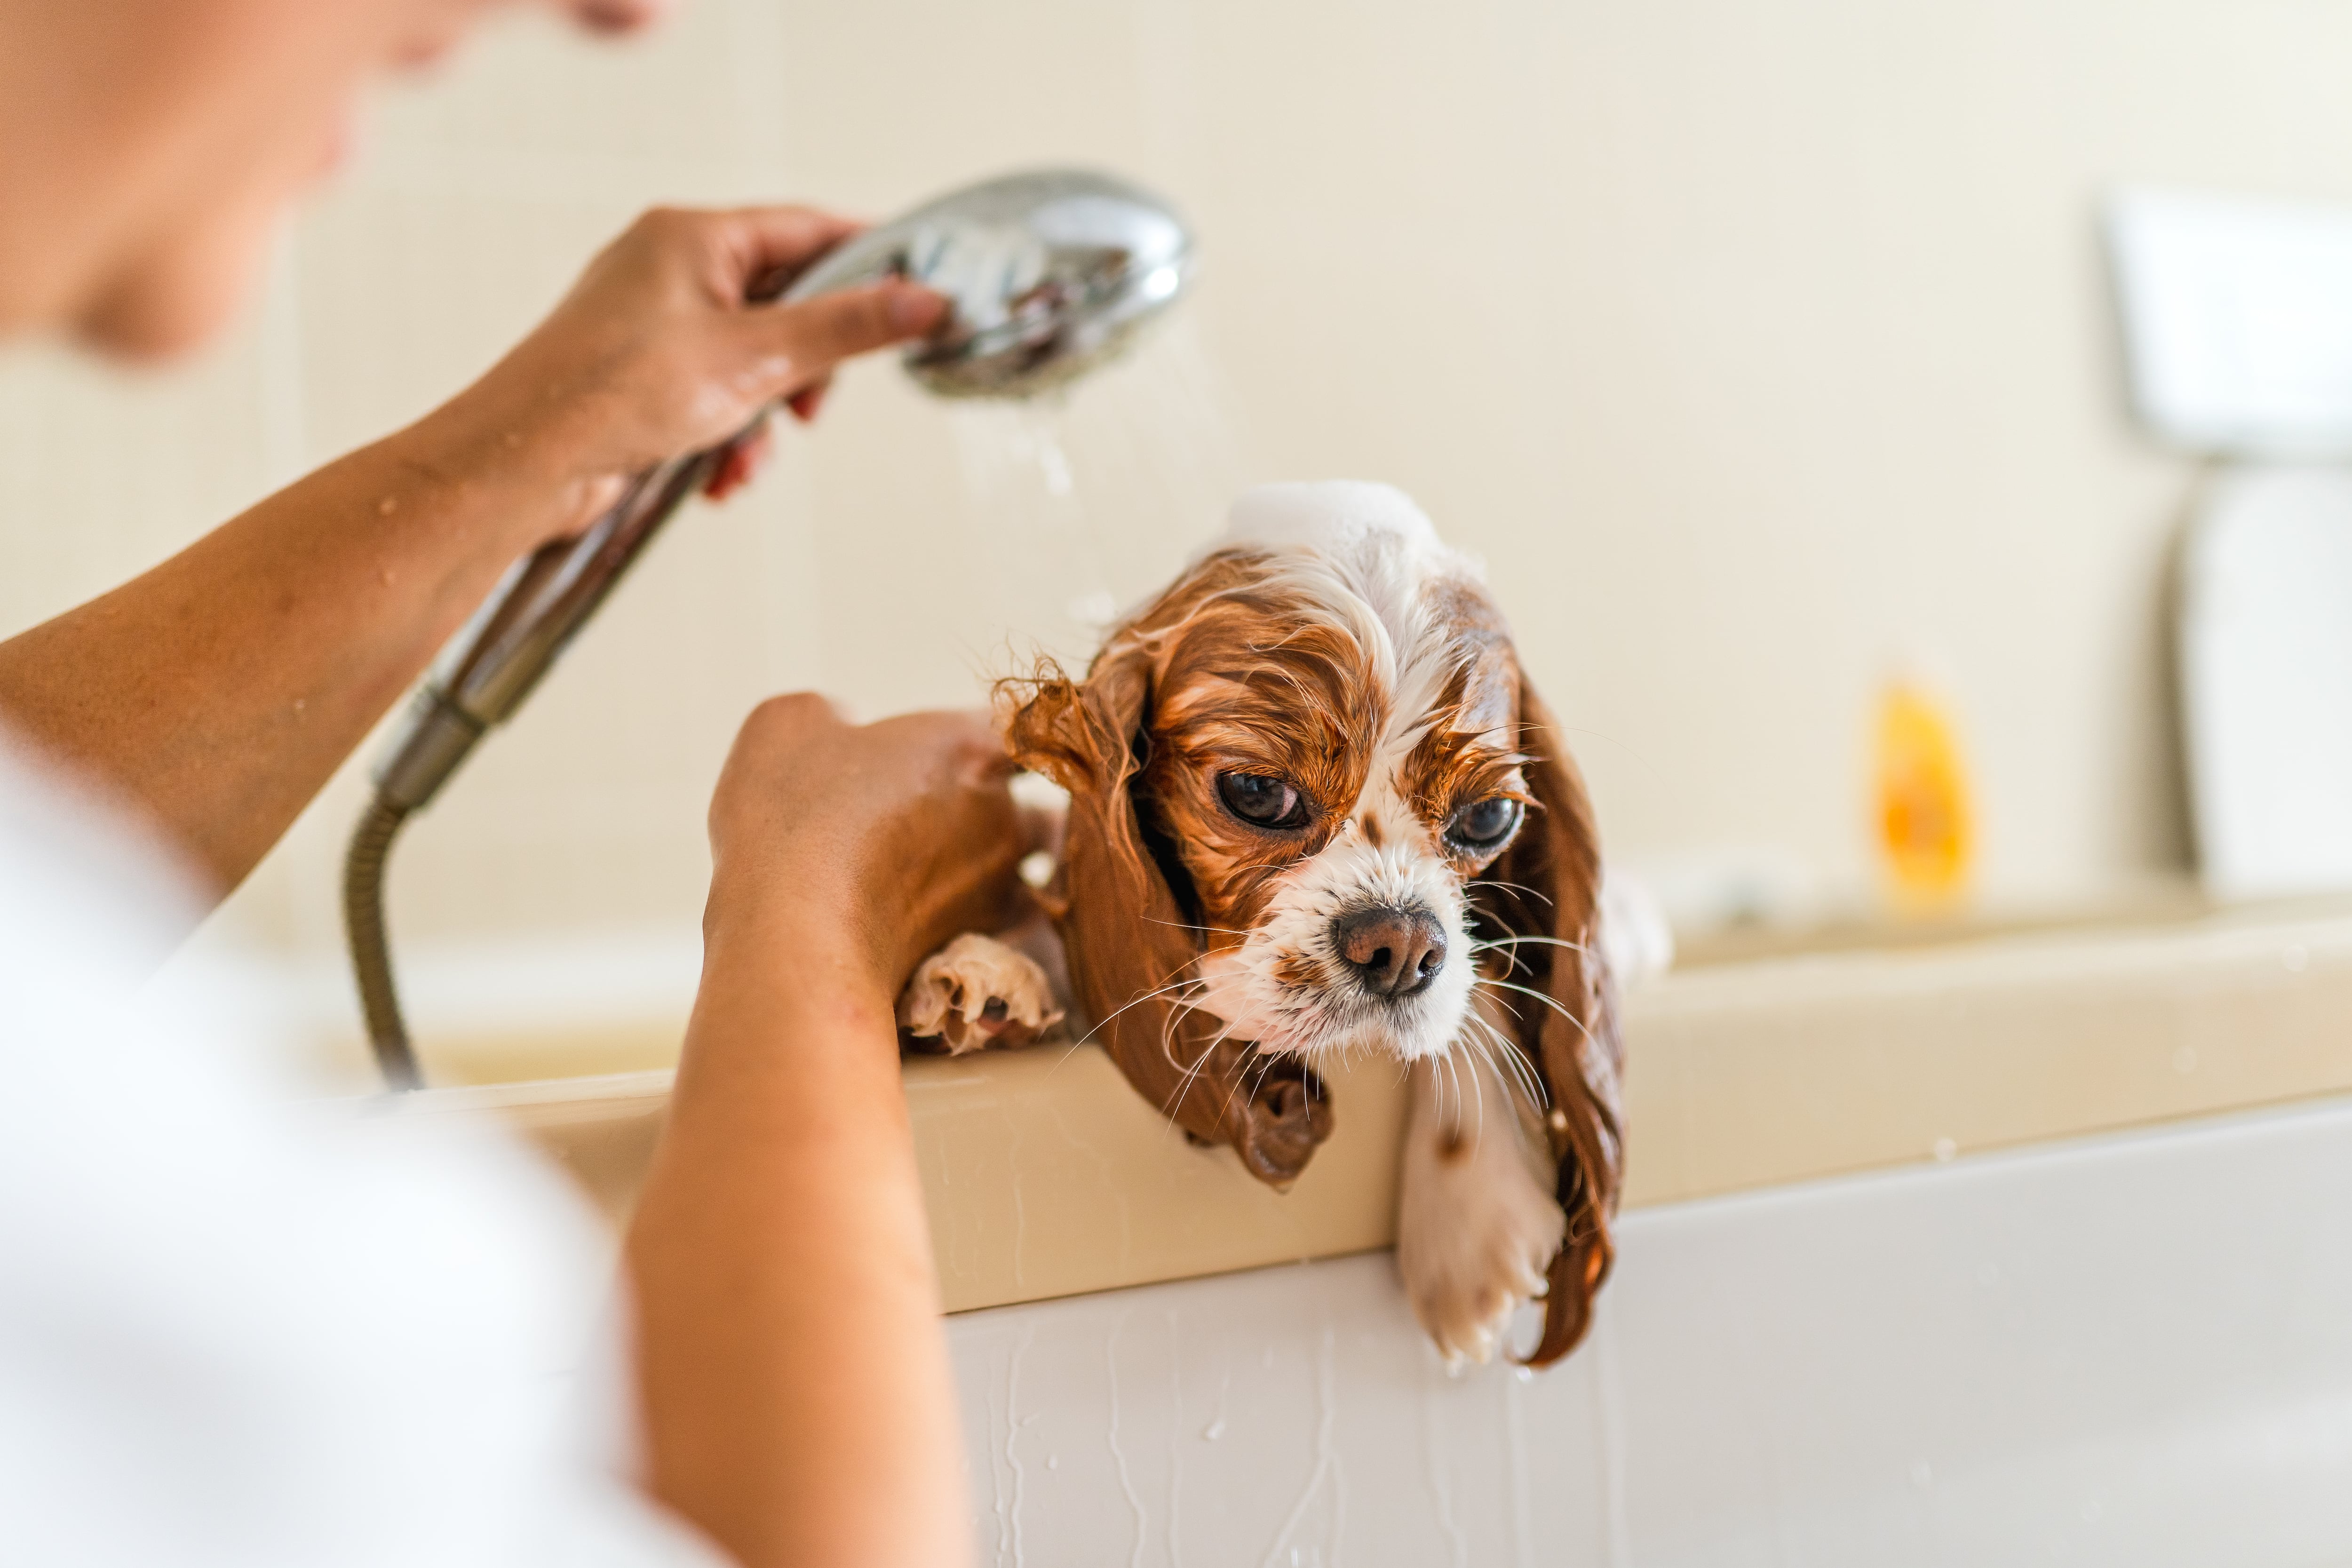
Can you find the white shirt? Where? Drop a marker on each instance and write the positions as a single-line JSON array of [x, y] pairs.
[[239, 1330]]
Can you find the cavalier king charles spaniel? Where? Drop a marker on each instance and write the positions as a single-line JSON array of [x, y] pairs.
[[1314, 809]]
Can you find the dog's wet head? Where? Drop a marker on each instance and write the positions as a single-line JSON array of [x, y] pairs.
[[1330, 767]]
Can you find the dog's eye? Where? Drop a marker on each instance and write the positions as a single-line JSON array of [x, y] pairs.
[[1483, 824], [1262, 801]]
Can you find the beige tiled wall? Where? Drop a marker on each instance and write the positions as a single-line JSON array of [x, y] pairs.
[[1757, 345]]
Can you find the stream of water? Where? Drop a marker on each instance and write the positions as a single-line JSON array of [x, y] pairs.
[[1080, 503]]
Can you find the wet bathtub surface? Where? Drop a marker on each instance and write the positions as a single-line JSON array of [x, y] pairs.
[[2134, 1350]]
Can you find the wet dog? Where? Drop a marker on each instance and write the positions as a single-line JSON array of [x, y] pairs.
[[1316, 808]]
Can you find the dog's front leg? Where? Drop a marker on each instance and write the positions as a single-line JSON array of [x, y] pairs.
[[1476, 1222], [1011, 988]]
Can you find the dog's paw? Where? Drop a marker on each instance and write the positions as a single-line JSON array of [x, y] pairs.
[[1476, 1233], [977, 992]]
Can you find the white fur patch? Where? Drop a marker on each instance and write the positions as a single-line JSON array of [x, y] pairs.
[[1476, 1222]]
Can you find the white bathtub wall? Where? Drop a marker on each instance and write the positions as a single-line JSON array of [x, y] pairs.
[[1757, 345], [2129, 1352]]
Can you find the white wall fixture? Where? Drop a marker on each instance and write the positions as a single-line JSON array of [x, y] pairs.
[[2129, 1350], [2266, 679], [2237, 312]]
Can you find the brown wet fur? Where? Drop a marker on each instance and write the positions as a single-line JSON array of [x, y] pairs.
[[1555, 863]]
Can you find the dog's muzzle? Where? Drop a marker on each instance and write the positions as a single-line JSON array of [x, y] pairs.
[[1392, 953]]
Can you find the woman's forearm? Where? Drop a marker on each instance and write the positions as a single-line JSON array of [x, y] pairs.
[[218, 692], [797, 1398]]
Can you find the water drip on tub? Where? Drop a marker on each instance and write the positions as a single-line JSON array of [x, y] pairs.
[[1013, 1425], [1440, 1486], [1326, 1461], [1118, 1454]]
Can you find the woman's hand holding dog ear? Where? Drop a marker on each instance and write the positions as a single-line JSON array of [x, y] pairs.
[[867, 845]]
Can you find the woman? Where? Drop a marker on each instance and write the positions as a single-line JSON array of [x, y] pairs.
[[233, 1332]]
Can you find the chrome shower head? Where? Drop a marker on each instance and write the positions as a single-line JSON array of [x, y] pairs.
[[1049, 273]]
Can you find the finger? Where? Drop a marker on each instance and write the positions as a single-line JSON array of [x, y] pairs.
[[768, 247], [740, 462], [740, 459], [756, 452], [806, 403], [731, 475], [809, 339], [796, 716]]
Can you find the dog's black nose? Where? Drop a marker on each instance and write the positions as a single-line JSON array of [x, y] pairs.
[[1394, 952]]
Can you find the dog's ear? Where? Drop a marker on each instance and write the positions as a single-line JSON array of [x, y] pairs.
[[1546, 886], [1131, 926]]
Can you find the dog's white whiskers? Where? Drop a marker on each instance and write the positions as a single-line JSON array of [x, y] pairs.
[[1193, 1073], [1546, 941], [1478, 1088], [1186, 925], [1508, 886], [1508, 1059], [1162, 990], [1551, 1001]]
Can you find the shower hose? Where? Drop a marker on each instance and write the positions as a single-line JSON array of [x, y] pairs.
[[364, 868]]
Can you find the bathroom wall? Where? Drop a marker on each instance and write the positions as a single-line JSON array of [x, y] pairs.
[[1763, 349]]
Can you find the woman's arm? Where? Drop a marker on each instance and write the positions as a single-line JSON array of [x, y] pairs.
[[797, 1398], [220, 691]]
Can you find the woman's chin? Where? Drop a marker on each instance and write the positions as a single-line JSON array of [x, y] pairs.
[[160, 307], [136, 327]]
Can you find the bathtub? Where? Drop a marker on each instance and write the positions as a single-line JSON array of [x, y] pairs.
[[2023, 1248], [2131, 1350]]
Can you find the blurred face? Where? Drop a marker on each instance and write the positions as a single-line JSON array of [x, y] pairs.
[[150, 148]]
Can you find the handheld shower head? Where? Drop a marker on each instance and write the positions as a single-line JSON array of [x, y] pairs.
[[1048, 274]]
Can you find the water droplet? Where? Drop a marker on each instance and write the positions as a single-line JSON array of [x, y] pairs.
[[1524, 1373], [1037, 867], [2296, 957], [1052, 1461], [1945, 1149], [1214, 1430]]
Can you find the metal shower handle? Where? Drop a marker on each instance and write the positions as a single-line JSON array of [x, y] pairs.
[[497, 661]]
